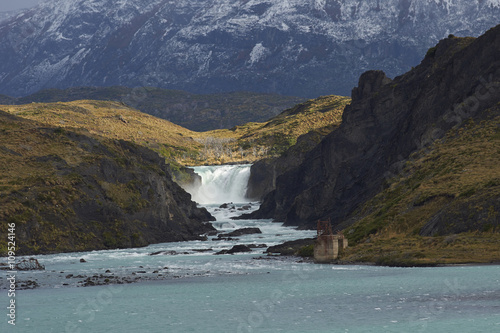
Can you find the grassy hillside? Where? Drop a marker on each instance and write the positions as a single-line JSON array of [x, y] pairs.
[[197, 112], [443, 208], [114, 120], [254, 141], [179, 145], [68, 190]]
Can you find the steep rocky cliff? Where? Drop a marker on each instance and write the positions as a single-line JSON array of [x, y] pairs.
[[265, 171], [67, 190], [294, 47], [386, 122]]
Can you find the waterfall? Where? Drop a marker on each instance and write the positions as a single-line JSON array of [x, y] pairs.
[[221, 184]]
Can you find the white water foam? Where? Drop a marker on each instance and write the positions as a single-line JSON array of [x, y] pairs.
[[221, 184]]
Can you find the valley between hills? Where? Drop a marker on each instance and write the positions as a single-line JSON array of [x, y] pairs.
[[242, 143], [61, 161], [87, 174]]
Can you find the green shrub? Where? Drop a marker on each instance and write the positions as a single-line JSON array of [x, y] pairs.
[[431, 52], [306, 251]]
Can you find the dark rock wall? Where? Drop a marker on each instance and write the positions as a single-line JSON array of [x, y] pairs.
[[167, 214], [264, 172], [386, 122]]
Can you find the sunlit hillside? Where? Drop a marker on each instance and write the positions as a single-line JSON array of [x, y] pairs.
[[246, 143]]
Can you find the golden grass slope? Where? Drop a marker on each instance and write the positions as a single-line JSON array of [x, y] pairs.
[[112, 120], [246, 143], [29, 180], [21, 144], [254, 141]]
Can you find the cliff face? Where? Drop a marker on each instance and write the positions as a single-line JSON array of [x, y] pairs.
[[386, 122], [264, 172], [294, 47], [69, 191]]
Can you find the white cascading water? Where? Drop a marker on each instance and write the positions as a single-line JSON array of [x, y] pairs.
[[221, 184]]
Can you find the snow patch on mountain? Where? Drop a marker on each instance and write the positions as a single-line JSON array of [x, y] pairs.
[[299, 47], [493, 3], [258, 52], [445, 3]]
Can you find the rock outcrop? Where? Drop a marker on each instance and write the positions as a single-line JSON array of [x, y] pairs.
[[387, 121], [290, 248], [241, 232], [235, 249], [264, 172]]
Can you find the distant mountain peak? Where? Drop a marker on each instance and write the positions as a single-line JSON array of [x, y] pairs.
[[293, 47]]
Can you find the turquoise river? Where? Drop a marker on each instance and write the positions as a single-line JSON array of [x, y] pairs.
[[185, 287]]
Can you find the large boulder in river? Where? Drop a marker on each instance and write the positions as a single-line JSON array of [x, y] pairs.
[[290, 248], [227, 206], [240, 232], [236, 249]]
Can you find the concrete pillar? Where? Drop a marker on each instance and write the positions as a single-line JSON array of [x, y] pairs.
[[345, 243], [327, 247]]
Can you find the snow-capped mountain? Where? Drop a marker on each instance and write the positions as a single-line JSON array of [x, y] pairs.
[[295, 47], [7, 14]]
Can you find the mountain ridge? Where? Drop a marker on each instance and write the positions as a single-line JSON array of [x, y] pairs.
[[181, 146], [197, 112], [289, 47]]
